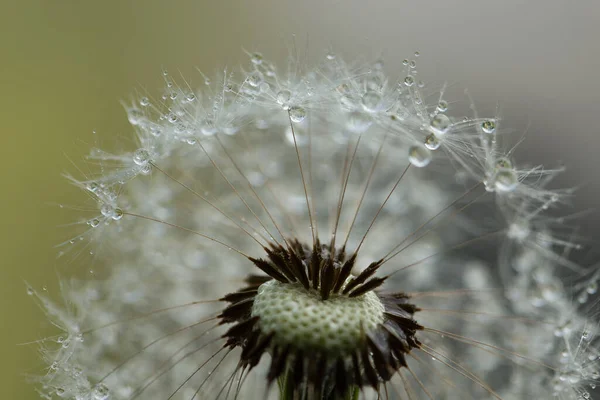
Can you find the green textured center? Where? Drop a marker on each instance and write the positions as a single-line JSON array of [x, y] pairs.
[[300, 317]]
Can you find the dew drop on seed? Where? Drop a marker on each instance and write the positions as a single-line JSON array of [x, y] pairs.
[[283, 99], [135, 116], [107, 210], [330, 56], [144, 102], [297, 114], [100, 392], [488, 126], [503, 163], [592, 287], [94, 222], [141, 157], [409, 81], [358, 122], [255, 79], [117, 214], [419, 156], [92, 187], [440, 124], [432, 142], [506, 180], [30, 291], [442, 106], [256, 58], [371, 101], [146, 169], [405, 62]]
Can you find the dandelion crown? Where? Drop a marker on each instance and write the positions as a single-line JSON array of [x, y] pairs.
[[319, 233]]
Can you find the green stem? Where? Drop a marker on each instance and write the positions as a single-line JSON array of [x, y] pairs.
[[287, 388]]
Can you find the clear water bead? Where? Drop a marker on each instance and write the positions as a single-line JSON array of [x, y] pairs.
[[432, 142], [440, 124], [283, 98], [442, 106], [297, 114], [141, 157], [503, 163], [488, 126], [592, 287], [371, 101], [255, 79], [135, 116], [100, 392], [358, 122], [506, 180], [409, 81], [419, 156], [117, 214], [107, 210], [256, 58]]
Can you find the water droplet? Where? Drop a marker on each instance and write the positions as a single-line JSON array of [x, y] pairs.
[[172, 118], [442, 106], [94, 222], [141, 157], [592, 287], [256, 58], [503, 163], [358, 122], [107, 210], [412, 64], [432, 142], [330, 56], [297, 114], [488, 126], [135, 116], [117, 214], [144, 102], [92, 187], [586, 335], [283, 98], [440, 124], [409, 81], [506, 180], [255, 78], [405, 62], [30, 291], [146, 169], [190, 97], [417, 54], [419, 156], [100, 392], [371, 101]]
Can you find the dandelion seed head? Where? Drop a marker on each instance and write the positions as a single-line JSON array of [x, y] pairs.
[[333, 229]]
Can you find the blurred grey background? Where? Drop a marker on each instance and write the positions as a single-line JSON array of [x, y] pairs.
[[66, 65]]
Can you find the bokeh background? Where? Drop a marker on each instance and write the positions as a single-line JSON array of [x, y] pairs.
[[65, 66]]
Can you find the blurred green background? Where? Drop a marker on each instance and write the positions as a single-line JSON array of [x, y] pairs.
[[66, 65]]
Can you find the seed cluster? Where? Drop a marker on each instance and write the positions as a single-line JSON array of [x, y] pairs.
[[328, 330], [299, 316]]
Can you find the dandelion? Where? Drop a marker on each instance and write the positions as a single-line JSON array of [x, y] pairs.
[[319, 233]]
